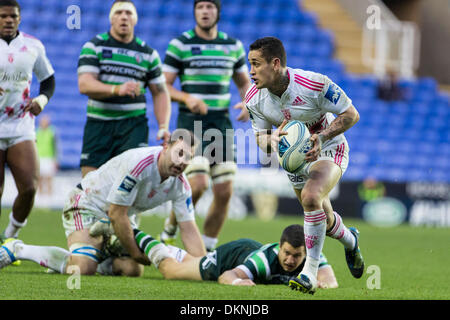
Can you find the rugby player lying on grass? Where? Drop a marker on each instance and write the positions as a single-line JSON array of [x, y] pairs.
[[243, 262]]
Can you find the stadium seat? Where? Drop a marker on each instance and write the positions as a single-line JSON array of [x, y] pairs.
[[388, 133]]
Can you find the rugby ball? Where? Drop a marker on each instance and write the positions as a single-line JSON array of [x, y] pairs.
[[293, 147]]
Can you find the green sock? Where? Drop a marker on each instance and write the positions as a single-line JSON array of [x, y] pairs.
[[154, 249]]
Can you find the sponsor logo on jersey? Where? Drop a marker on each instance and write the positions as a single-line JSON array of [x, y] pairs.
[[287, 114], [107, 53], [298, 102], [122, 71], [211, 63], [151, 194], [333, 93], [139, 58], [189, 204], [196, 50], [10, 58], [16, 76], [127, 184]]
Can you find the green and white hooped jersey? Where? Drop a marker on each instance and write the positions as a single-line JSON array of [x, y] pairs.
[[116, 63], [263, 266], [205, 67]]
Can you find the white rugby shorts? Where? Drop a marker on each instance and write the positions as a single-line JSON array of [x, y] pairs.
[[335, 150], [6, 143]]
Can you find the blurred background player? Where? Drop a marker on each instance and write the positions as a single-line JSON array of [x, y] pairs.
[[21, 55], [205, 60], [138, 179], [47, 151], [273, 100], [243, 262], [114, 69]]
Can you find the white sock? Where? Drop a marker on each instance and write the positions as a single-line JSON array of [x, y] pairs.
[[315, 227], [54, 258], [341, 233], [210, 243], [177, 253], [12, 230]]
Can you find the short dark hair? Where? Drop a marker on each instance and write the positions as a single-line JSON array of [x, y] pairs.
[[9, 3], [294, 235], [270, 47]]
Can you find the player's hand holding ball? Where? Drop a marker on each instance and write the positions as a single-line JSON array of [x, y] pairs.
[[313, 154], [275, 136]]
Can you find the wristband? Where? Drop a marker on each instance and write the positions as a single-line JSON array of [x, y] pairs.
[[236, 281], [161, 131], [41, 100], [114, 90]]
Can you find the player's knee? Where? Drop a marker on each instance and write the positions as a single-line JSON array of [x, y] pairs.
[[85, 257], [28, 192], [310, 200], [81, 267]]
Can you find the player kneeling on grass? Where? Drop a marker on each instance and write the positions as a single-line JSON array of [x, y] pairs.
[[243, 262], [137, 180]]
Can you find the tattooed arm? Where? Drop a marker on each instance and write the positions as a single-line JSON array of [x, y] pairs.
[[340, 124]]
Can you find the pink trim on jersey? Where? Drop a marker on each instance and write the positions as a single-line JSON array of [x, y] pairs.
[[303, 84], [251, 93], [308, 80], [185, 184], [26, 35], [313, 85], [339, 154], [142, 165]]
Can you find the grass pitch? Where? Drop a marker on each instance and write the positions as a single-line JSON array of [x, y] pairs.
[[410, 263]]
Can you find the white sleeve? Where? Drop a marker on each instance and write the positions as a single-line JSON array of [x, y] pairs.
[[183, 207], [259, 123], [124, 190], [333, 98], [127, 180], [42, 67]]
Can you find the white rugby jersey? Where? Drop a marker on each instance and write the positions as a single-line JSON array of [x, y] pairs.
[[18, 60], [132, 179], [311, 98]]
